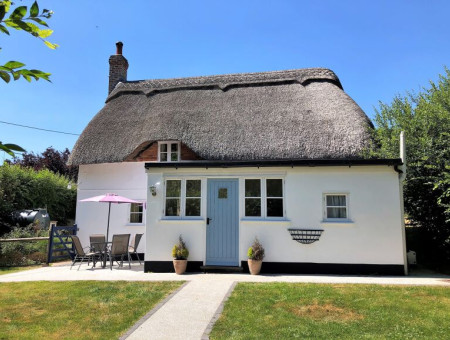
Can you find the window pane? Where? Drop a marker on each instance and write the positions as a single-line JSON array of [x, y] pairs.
[[336, 200], [193, 188], [275, 207], [252, 207], [174, 156], [336, 212], [173, 188], [174, 147], [136, 218], [252, 188], [163, 147], [135, 207], [193, 206], [274, 188], [163, 157], [173, 207]]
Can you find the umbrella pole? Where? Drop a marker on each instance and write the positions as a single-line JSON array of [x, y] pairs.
[[107, 236], [107, 230]]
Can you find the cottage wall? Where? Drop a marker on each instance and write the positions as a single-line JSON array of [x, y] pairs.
[[372, 236], [125, 179]]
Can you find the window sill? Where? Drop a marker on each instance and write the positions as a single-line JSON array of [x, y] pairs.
[[181, 220], [338, 222], [135, 225], [265, 220]]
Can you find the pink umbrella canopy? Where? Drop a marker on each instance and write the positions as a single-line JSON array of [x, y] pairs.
[[109, 198]]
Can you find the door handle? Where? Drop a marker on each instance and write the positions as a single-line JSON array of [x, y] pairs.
[[208, 219]]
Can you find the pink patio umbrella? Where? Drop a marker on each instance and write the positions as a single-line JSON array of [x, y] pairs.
[[109, 198]]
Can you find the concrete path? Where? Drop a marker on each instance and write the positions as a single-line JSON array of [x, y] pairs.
[[186, 315], [189, 313]]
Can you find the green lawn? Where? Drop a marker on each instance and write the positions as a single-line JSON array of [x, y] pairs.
[[319, 311], [76, 309]]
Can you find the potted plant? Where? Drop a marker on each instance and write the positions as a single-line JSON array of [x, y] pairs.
[[180, 254], [255, 256]]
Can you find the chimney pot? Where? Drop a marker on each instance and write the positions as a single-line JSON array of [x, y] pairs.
[[118, 66], [119, 46]]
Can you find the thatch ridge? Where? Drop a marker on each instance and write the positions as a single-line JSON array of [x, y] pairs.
[[224, 81], [272, 115]]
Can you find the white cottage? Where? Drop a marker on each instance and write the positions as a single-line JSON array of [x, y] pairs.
[[224, 159]]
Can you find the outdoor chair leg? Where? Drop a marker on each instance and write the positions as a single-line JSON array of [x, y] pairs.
[[73, 262], [82, 259], [129, 263], [138, 258]]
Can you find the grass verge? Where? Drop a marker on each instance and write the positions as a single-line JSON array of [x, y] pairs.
[[76, 309], [319, 311]]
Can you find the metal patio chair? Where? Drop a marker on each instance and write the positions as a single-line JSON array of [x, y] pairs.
[[98, 245], [119, 248], [132, 249], [81, 254]]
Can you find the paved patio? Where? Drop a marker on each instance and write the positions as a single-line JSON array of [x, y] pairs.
[[62, 272], [191, 311]]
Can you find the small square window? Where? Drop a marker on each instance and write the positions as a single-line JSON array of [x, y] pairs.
[[169, 151], [136, 213], [336, 206], [223, 193]]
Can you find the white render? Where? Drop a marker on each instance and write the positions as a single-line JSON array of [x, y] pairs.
[[124, 179], [373, 235]]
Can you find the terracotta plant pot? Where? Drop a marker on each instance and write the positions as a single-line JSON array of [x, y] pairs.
[[179, 266], [254, 266]]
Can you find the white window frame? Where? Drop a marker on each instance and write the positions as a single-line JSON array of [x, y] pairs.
[[347, 207], [183, 197], [169, 147], [264, 197], [130, 212]]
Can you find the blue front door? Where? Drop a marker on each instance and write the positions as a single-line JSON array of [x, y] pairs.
[[222, 232]]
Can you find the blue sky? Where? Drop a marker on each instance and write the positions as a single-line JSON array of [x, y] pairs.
[[377, 48]]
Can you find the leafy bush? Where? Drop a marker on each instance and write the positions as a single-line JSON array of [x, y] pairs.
[[256, 251], [23, 253], [425, 119], [179, 250], [25, 188]]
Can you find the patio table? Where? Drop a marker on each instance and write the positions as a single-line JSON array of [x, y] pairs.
[[104, 254]]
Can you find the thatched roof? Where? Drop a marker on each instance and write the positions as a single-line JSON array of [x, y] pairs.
[[296, 114]]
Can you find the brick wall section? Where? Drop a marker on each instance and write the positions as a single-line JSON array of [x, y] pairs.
[[150, 154], [188, 155], [118, 66]]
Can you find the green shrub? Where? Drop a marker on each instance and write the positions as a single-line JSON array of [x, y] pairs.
[[23, 253], [180, 251], [25, 188]]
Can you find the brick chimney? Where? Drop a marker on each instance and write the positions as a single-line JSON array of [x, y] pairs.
[[118, 66]]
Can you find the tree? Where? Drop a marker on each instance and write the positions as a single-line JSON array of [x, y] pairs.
[[31, 24], [425, 118], [18, 20], [51, 159]]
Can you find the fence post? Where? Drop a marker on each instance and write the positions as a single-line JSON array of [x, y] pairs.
[[50, 244]]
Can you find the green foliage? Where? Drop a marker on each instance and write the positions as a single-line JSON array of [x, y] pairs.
[[32, 24], [425, 119], [256, 251], [179, 250], [10, 148], [23, 253], [24, 188]]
